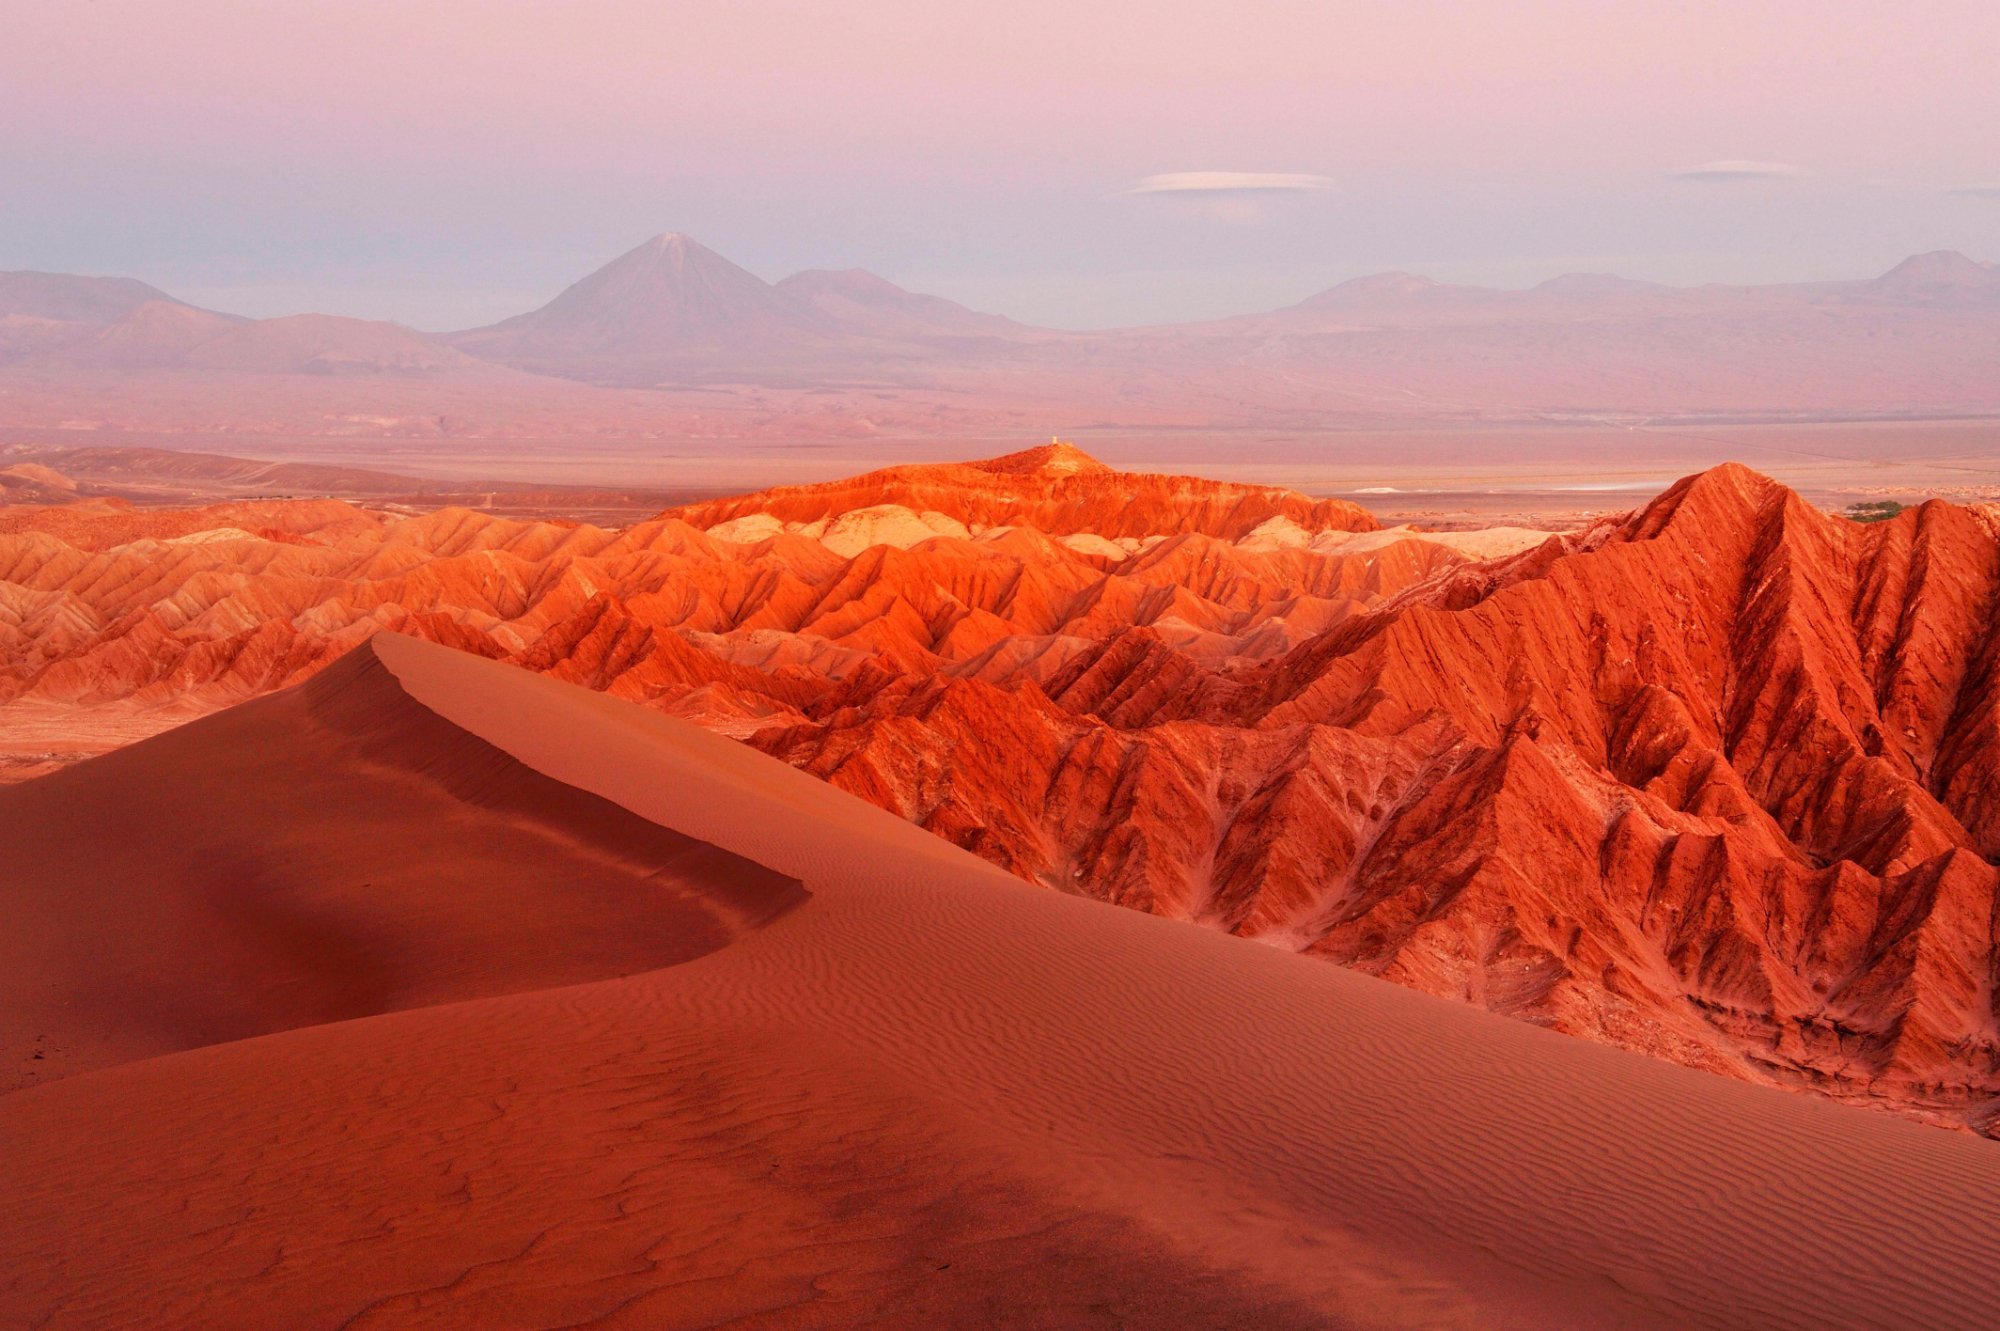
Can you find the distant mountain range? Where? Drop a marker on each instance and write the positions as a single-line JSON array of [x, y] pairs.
[[675, 306], [57, 322], [1712, 780], [1923, 338]]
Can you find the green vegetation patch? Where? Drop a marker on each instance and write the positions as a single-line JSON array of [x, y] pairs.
[[1874, 510]]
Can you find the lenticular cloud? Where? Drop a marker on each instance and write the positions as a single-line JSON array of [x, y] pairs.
[[1735, 170], [1229, 182]]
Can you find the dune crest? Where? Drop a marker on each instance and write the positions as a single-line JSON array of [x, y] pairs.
[[934, 1095], [1703, 781], [331, 852]]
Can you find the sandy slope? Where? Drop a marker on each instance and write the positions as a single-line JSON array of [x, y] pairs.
[[1708, 781], [328, 852], [927, 1096]]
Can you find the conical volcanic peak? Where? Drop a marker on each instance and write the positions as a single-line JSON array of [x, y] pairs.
[[1940, 268], [666, 290], [1943, 278], [670, 266], [673, 310]]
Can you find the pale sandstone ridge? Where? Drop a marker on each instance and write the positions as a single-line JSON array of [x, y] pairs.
[[1711, 781], [925, 1094]]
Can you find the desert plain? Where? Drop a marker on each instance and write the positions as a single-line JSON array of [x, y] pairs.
[[801, 804]]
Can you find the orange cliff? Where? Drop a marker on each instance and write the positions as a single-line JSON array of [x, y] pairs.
[[1713, 781], [796, 1062]]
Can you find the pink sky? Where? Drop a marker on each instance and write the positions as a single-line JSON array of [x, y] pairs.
[[444, 162]]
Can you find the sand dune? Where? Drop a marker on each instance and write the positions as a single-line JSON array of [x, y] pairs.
[[1704, 781], [926, 1095], [329, 852]]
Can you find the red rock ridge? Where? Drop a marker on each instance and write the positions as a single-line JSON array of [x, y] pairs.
[[1713, 781], [1057, 489]]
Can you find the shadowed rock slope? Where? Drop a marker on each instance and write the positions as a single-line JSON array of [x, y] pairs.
[[1713, 781], [926, 1095]]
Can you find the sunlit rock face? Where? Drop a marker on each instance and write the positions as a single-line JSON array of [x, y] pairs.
[[1714, 780]]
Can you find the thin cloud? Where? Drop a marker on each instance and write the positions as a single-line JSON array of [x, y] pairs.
[[1230, 182], [1990, 190], [1730, 171]]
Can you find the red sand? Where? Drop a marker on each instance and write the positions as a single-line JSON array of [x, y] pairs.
[[1704, 782], [925, 1095], [328, 852]]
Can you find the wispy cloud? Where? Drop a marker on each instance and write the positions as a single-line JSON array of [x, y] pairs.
[[1730, 171], [1229, 182], [1989, 190]]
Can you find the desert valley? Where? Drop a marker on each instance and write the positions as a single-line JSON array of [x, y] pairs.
[[1290, 665], [1729, 810], [661, 876], [671, 369], [1702, 783]]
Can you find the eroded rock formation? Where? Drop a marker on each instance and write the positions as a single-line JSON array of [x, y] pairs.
[[1715, 780]]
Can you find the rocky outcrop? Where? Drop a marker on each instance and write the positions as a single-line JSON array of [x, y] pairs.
[[1714, 780], [1055, 489]]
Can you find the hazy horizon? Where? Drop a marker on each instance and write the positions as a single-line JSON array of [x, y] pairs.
[[341, 299], [1120, 166]]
